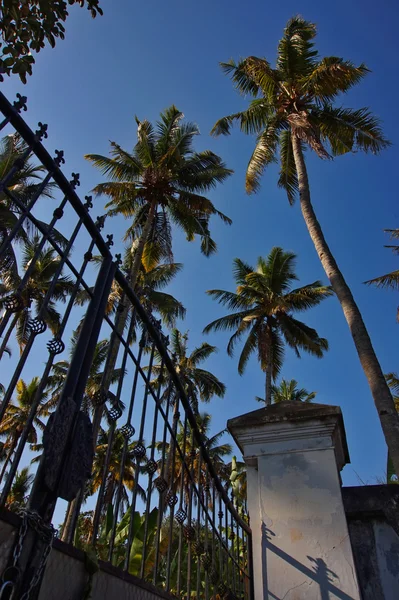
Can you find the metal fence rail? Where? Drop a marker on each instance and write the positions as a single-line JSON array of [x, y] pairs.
[[92, 411]]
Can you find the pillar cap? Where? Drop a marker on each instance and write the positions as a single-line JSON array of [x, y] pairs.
[[288, 414]]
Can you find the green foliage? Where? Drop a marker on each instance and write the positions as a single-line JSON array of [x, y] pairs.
[[288, 391], [199, 384], [262, 310], [296, 98], [389, 280], [160, 184], [26, 25]]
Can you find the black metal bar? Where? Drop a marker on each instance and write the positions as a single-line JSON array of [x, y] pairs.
[[32, 140], [138, 454], [170, 475], [181, 509], [151, 468], [154, 334]]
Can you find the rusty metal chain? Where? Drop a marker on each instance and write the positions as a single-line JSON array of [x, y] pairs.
[[46, 533]]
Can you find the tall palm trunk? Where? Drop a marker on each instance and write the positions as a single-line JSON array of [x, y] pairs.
[[9, 456], [120, 322], [379, 388], [7, 335], [269, 366], [121, 318]]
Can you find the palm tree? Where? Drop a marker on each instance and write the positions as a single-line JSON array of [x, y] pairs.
[[393, 382], [17, 414], [263, 305], [216, 451], [24, 185], [288, 391], [149, 289], [199, 384], [114, 467], [59, 373], [17, 497], [293, 108], [161, 182], [390, 280], [33, 294]]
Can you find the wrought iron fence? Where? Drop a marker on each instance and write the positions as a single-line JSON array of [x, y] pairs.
[[102, 421]]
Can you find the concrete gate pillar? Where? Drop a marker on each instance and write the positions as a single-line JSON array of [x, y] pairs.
[[301, 548]]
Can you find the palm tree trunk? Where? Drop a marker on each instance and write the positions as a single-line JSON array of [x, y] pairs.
[[67, 523], [269, 367], [7, 335], [138, 253], [8, 457], [379, 388], [121, 318], [268, 386]]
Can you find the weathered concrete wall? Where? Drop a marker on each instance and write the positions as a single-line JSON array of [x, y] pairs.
[[301, 543], [373, 521], [65, 577]]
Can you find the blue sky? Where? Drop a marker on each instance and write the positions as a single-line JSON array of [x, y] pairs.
[[139, 58]]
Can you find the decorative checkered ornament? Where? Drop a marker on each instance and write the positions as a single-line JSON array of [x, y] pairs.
[[220, 514], [139, 450], [151, 466], [128, 431], [180, 516], [36, 326], [13, 303], [171, 499], [189, 532], [100, 398], [55, 346], [232, 535], [161, 485], [213, 576], [222, 589], [199, 548], [114, 413], [206, 561]]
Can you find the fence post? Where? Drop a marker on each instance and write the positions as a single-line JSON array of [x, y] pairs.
[[68, 448], [301, 548]]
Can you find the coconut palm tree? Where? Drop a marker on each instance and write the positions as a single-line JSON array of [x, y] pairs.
[[393, 382], [160, 183], [294, 107], [33, 293], [263, 307], [390, 280], [59, 373], [114, 467], [149, 289], [216, 450], [17, 497], [199, 384], [24, 185], [288, 391], [16, 417]]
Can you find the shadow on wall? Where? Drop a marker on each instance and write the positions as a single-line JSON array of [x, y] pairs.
[[319, 572]]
